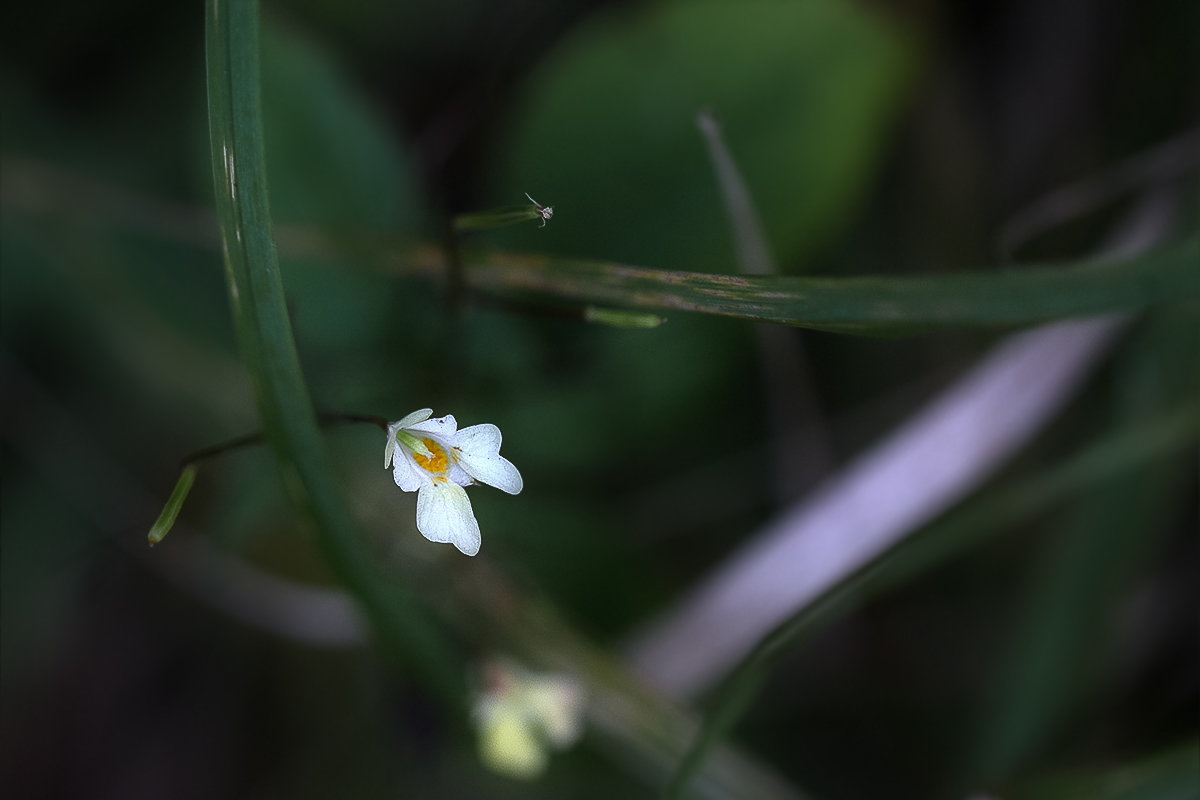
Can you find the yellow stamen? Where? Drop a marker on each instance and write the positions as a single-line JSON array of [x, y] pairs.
[[435, 464]]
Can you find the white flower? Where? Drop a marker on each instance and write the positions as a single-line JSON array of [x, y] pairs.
[[521, 715], [436, 460]]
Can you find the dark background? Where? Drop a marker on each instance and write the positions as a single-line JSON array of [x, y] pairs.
[[877, 138]]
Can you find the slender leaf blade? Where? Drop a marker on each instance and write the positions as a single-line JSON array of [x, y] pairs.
[[265, 335], [166, 520], [866, 305]]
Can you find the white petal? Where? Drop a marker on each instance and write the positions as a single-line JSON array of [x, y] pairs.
[[459, 475], [390, 447], [444, 515], [406, 473], [412, 419], [557, 703], [494, 471], [440, 427], [477, 450], [479, 438]]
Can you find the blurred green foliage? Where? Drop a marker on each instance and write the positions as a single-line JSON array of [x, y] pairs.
[[606, 126], [885, 139]]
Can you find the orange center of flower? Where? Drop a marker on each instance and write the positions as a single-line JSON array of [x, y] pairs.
[[435, 464]]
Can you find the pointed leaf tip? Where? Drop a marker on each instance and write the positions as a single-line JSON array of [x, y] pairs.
[[621, 319], [166, 520]]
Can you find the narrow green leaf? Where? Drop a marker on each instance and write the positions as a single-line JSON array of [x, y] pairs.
[[1086, 566], [621, 319], [722, 717], [265, 336], [166, 520], [875, 305], [1056, 655], [1168, 775], [496, 217], [867, 305], [750, 242]]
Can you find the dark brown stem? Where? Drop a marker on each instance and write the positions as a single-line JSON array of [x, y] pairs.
[[324, 420]]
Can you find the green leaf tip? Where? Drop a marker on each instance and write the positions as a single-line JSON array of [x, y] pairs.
[[166, 520], [508, 215], [621, 319]]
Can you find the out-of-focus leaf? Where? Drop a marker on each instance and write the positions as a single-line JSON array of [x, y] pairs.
[[334, 164], [1064, 631], [606, 130], [1109, 461], [1173, 775], [332, 160]]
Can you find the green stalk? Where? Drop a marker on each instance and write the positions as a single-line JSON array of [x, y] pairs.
[[265, 336], [166, 520], [496, 218]]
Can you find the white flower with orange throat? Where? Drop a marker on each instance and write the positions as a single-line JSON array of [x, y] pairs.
[[435, 459]]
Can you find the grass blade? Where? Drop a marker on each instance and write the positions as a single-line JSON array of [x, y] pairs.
[[265, 336], [1167, 775], [166, 520], [875, 305], [866, 305]]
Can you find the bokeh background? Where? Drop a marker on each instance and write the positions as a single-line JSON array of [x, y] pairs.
[[887, 138]]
